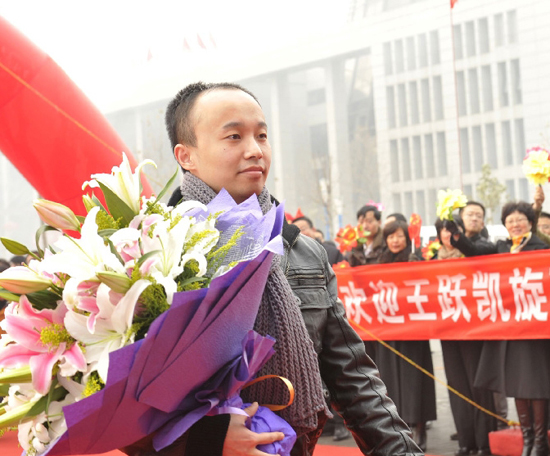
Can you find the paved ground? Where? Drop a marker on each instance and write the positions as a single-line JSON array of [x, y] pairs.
[[439, 442]]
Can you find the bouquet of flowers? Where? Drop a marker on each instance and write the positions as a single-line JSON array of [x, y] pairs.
[[536, 165], [133, 296], [349, 237], [429, 251], [449, 201]]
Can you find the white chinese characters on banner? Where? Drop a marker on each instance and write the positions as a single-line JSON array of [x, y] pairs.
[[353, 303], [528, 295], [450, 297], [486, 288], [418, 299], [385, 302]]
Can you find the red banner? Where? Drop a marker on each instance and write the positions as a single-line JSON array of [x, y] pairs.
[[490, 297]]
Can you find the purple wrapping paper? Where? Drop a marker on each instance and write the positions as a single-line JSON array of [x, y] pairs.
[[164, 383]]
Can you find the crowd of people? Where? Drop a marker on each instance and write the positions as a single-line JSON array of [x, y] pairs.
[[487, 372]]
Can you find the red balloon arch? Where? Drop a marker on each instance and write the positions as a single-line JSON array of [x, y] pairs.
[[50, 130]]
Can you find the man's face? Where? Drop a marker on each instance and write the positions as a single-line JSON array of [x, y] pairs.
[[473, 219], [232, 150], [370, 224], [305, 229], [544, 225]]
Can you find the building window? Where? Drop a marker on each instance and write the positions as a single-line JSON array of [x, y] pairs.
[[409, 202], [499, 30], [461, 93], [421, 204], [422, 50], [490, 141], [510, 189], [429, 150], [441, 154], [315, 97], [474, 90], [426, 102], [406, 159], [470, 39], [512, 26], [432, 200], [477, 147], [402, 101], [413, 97], [465, 150], [487, 86], [411, 54], [434, 45], [503, 85], [388, 64], [520, 140], [396, 200], [394, 161], [507, 143], [483, 28], [417, 154], [399, 57], [516, 82], [390, 100], [523, 187], [438, 98], [457, 36], [469, 191]]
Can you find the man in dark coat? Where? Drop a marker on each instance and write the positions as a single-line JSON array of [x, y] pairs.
[[461, 357], [368, 217]]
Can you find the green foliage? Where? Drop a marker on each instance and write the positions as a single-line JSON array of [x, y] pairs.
[[44, 299], [107, 222], [215, 257], [489, 191], [14, 247], [152, 303], [93, 385]]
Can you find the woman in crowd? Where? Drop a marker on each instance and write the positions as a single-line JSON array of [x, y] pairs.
[[412, 391], [518, 368]]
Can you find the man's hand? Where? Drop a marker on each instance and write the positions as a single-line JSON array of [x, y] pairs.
[[539, 198], [241, 441]]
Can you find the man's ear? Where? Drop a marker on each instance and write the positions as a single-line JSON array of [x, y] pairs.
[[184, 156]]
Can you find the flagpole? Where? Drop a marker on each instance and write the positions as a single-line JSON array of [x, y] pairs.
[[456, 94]]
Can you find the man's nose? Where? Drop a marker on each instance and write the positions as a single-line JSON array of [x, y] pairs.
[[253, 149]]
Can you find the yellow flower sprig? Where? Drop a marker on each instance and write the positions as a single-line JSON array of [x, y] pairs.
[[536, 165], [448, 201]]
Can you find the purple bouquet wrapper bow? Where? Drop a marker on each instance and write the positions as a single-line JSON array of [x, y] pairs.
[[152, 385]]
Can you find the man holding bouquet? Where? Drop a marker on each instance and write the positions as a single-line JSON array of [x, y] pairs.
[[220, 139]]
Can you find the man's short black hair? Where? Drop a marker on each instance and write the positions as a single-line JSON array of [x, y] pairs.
[[178, 113], [544, 214], [473, 203], [522, 207], [305, 219], [398, 216], [365, 209]]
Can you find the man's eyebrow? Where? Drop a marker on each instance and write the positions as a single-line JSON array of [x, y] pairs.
[[236, 124]]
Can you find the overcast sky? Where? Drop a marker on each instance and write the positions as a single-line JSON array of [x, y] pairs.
[[101, 44]]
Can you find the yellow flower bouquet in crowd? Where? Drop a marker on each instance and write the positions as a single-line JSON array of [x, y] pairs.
[[449, 201], [536, 165]]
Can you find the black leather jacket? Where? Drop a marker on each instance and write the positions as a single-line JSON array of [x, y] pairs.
[[354, 386]]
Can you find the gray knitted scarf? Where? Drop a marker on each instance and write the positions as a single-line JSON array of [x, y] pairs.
[[280, 317]]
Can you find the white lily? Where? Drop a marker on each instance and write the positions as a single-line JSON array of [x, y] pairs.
[[122, 182], [111, 330], [82, 258], [23, 280]]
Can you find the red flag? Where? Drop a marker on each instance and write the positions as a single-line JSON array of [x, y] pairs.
[[453, 3], [213, 41], [149, 55], [186, 46]]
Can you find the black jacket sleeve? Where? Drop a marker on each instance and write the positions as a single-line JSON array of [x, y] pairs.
[[480, 246]]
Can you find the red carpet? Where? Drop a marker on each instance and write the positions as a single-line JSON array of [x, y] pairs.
[[10, 447]]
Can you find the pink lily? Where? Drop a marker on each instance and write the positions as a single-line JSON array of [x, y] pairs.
[[41, 342]]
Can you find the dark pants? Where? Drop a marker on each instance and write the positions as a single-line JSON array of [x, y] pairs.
[[461, 359]]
